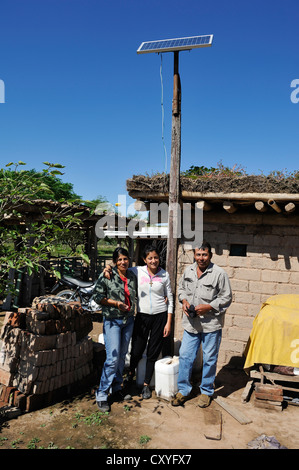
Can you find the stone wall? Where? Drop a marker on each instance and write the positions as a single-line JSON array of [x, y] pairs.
[[270, 267]]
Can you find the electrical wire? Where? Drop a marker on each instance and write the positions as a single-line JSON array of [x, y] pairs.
[[162, 108]]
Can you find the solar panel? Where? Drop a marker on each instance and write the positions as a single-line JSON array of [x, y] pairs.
[[179, 44]]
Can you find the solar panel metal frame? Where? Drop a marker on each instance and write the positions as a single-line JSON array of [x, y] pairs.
[[171, 45]]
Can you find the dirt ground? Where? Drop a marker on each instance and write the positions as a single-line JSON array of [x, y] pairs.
[[151, 424]]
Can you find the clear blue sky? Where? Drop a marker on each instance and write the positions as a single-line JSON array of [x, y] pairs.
[[77, 93]]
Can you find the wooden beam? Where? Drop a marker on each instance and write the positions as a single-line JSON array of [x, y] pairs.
[[198, 195], [203, 205], [241, 196], [261, 206], [238, 415], [274, 205], [290, 207], [272, 376], [247, 391], [141, 206], [229, 207]]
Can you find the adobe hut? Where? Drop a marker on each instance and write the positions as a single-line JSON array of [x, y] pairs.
[[252, 223]]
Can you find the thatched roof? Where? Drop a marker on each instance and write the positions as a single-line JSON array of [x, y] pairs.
[[39, 210], [215, 184], [36, 210], [230, 192]]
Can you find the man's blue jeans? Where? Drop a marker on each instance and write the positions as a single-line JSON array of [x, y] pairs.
[[117, 337], [188, 351]]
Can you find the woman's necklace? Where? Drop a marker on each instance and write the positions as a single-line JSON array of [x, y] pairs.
[[151, 275]]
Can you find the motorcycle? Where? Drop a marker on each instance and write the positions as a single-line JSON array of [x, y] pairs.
[[71, 288]]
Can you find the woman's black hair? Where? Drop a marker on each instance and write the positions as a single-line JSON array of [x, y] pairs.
[[119, 251], [147, 249]]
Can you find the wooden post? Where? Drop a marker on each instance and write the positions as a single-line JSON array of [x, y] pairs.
[[8, 299], [93, 247], [26, 295], [131, 250], [174, 185]]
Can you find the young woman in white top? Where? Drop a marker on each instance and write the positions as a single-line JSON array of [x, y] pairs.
[[154, 314]]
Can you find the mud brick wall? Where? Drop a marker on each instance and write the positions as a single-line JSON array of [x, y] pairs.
[[45, 347], [270, 266]]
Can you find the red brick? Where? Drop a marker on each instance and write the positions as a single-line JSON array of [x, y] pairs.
[[6, 378], [16, 393], [8, 391], [269, 396], [2, 391], [268, 404], [20, 401], [34, 402], [50, 327], [266, 388], [18, 319], [269, 392]]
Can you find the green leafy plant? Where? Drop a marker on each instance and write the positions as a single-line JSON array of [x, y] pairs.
[[25, 242], [15, 442], [51, 445], [95, 418], [32, 443], [144, 439], [219, 171], [2, 439], [222, 170]]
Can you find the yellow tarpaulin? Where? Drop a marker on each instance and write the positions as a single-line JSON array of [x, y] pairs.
[[274, 338]]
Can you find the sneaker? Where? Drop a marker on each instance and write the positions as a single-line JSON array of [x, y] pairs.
[[120, 395], [103, 406], [204, 400], [146, 392]]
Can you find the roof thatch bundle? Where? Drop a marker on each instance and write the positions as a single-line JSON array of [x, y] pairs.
[[226, 184]]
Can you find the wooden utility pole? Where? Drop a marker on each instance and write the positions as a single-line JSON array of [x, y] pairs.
[[174, 216], [174, 183]]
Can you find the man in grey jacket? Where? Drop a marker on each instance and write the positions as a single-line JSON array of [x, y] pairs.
[[205, 294]]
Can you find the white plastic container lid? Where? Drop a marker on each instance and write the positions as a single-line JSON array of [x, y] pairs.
[[167, 365]]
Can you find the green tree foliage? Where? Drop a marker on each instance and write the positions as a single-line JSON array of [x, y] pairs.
[[25, 242], [56, 189], [220, 170]]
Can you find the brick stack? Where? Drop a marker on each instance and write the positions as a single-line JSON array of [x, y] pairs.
[[269, 396], [45, 348]]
